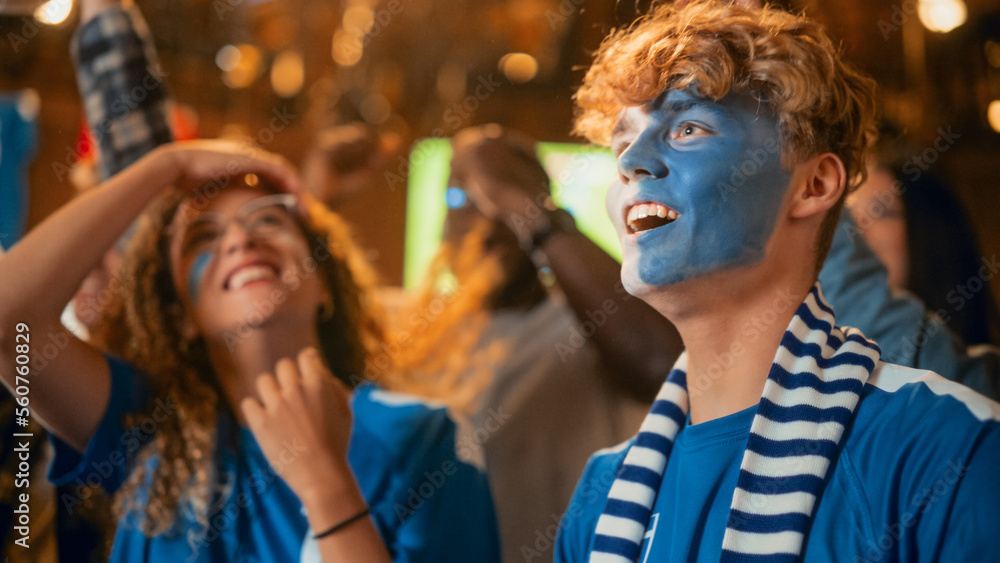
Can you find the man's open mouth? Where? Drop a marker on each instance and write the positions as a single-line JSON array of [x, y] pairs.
[[646, 216]]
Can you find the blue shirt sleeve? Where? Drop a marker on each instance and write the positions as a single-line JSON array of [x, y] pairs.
[[576, 530], [428, 505], [109, 454], [855, 283], [962, 515]]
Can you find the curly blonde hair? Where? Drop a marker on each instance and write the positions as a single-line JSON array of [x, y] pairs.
[[443, 357], [143, 326], [821, 102]]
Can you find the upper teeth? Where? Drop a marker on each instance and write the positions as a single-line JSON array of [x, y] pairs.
[[643, 210], [249, 274]]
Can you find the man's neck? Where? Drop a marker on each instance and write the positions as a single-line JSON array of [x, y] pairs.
[[241, 358], [731, 338]]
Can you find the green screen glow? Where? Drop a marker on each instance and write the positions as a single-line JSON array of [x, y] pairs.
[[580, 177]]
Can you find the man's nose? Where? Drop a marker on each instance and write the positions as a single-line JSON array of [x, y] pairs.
[[643, 158]]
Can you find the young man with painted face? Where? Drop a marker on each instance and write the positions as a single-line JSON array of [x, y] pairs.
[[790, 440]]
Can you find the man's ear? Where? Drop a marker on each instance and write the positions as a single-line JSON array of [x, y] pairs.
[[819, 184]]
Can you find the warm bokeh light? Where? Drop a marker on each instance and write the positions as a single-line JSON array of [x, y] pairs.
[[993, 115], [54, 12], [992, 49], [247, 68], [359, 18], [287, 73], [346, 48], [518, 67], [942, 16], [227, 58]]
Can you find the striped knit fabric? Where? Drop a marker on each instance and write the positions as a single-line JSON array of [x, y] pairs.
[[810, 395]]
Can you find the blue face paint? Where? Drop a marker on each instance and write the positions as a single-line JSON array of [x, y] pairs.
[[197, 272], [718, 164]]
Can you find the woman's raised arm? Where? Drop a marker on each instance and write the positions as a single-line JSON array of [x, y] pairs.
[[40, 274]]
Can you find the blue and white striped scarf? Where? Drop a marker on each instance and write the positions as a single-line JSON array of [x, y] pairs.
[[810, 396]]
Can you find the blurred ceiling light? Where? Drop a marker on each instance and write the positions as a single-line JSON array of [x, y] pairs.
[[347, 48], [247, 68], [941, 16], [993, 115], [375, 109], [518, 67], [993, 53], [227, 58], [287, 74], [54, 12], [359, 17]]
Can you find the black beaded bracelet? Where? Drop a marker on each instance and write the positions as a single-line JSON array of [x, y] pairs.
[[336, 528]]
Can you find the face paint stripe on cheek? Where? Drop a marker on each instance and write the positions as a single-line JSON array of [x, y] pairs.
[[196, 273]]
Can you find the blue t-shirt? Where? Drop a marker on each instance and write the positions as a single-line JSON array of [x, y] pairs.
[[18, 141], [427, 505], [916, 481]]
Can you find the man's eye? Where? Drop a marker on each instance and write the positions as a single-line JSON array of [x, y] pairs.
[[690, 130]]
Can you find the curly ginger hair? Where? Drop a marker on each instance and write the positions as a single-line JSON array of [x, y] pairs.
[[822, 103]]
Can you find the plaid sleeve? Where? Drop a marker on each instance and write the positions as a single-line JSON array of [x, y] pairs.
[[121, 83]]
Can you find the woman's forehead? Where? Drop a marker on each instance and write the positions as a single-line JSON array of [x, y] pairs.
[[226, 201]]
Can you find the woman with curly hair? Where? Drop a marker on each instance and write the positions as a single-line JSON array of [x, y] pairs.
[[240, 308]]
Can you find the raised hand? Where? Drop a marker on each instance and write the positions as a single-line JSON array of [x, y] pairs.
[[304, 405], [205, 160], [502, 175]]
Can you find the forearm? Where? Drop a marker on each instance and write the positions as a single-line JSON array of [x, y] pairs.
[[42, 272], [336, 502], [636, 343]]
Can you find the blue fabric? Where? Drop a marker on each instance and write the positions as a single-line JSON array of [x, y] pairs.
[[18, 143], [916, 481], [855, 283], [427, 505]]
